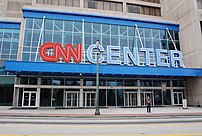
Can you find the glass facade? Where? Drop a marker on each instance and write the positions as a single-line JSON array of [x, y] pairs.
[[104, 5], [147, 10], [9, 39], [66, 91], [64, 31], [72, 3], [70, 91]]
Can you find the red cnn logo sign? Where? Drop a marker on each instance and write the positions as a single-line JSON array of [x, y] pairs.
[[59, 51]]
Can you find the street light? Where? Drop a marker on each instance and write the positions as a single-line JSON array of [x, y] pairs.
[[97, 112]]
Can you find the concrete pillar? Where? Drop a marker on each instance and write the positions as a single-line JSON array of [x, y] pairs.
[[171, 92], [33, 2], [81, 3], [21, 37], [81, 93], [138, 94], [38, 92], [16, 92], [124, 6]]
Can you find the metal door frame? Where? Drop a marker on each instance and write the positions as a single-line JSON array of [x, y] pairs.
[[178, 103], [85, 98], [126, 93], [30, 92], [144, 94], [71, 99]]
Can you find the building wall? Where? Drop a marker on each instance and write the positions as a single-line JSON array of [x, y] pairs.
[[194, 93], [12, 8], [187, 14], [37, 4], [184, 12]]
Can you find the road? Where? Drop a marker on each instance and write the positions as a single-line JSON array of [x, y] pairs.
[[101, 126]]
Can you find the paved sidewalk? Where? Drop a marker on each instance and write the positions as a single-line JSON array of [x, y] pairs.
[[105, 112]]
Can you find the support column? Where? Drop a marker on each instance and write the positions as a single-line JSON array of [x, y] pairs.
[[21, 37], [81, 3], [81, 93], [124, 6], [16, 92], [171, 92], [138, 94], [38, 92], [33, 2]]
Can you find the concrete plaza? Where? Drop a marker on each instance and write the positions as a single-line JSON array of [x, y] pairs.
[[111, 111]]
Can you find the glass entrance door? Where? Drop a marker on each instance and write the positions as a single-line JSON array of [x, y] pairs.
[[89, 99], [178, 98], [71, 99], [130, 99], [144, 96], [29, 99], [115, 97], [158, 99]]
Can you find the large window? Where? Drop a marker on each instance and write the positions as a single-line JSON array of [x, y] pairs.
[[199, 3], [154, 11], [9, 44], [64, 31], [104, 5], [72, 3], [154, 1]]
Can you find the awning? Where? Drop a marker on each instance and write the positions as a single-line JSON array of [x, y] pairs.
[[48, 68], [6, 80], [2, 65]]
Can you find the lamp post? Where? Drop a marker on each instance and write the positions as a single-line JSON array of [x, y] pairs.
[[97, 112]]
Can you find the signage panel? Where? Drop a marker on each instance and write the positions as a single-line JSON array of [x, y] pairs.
[[164, 58]]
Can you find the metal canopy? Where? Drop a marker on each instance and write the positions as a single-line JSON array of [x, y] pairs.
[[63, 69]]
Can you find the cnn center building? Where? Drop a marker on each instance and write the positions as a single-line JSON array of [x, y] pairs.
[[53, 51]]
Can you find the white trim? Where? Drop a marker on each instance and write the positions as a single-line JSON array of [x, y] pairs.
[[42, 28]]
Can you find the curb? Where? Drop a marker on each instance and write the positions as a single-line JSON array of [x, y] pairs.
[[102, 115]]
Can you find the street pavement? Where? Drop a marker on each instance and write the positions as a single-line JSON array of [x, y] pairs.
[[113, 121], [105, 112]]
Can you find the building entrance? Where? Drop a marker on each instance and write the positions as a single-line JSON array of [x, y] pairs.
[[29, 99], [130, 99], [89, 99], [71, 99], [177, 98], [158, 98], [115, 97], [144, 96]]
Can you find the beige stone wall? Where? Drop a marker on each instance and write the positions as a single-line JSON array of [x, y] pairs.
[[12, 8], [99, 12], [194, 91], [187, 14]]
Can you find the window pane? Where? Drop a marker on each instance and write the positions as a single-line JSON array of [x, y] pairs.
[[39, 1], [55, 2], [62, 2], [29, 23], [106, 6], [76, 3], [48, 24], [119, 7], [92, 4], [158, 12], [58, 25], [113, 6], [68, 25], [100, 5], [69, 2]]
